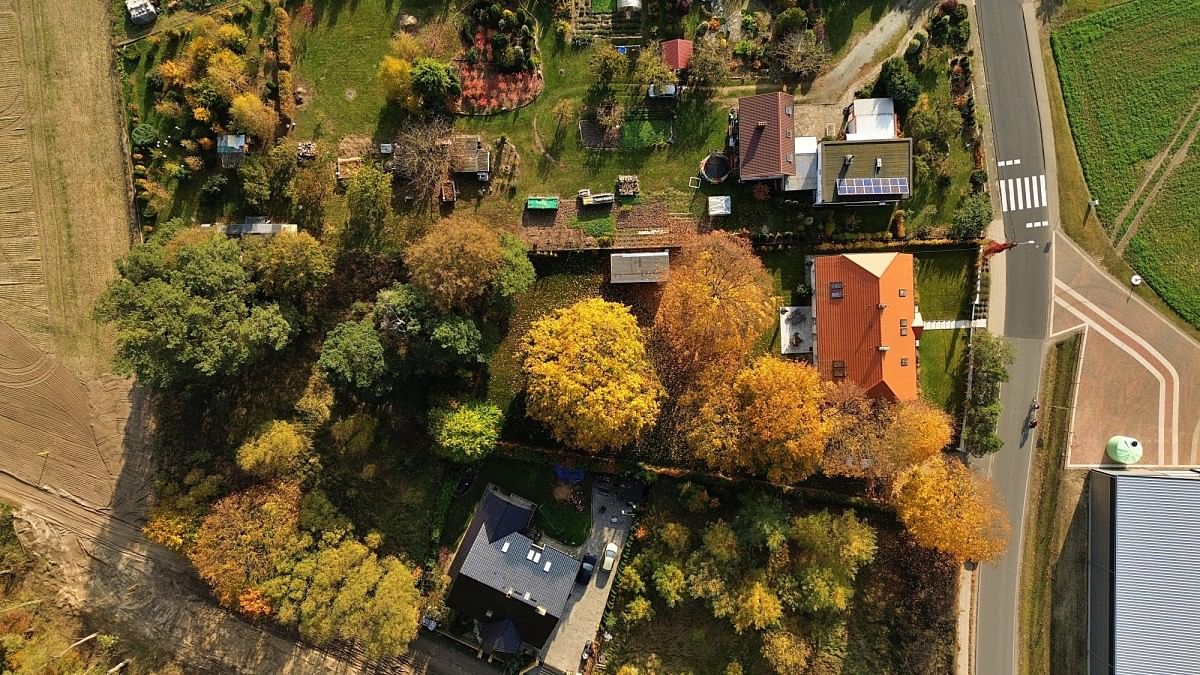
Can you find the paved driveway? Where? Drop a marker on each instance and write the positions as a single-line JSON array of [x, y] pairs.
[[586, 605]]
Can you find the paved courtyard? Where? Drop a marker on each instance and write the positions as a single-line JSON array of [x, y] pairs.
[[1139, 374], [586, 605]]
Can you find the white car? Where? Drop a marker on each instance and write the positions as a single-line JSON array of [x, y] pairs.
[[663, 91], [610, 557]]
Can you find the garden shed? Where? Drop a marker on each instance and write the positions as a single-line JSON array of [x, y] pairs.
[[638, 268], [231, 149], [141, 12], [468, 155]]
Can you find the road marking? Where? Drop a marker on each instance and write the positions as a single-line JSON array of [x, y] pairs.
[[1149, 349], [1026, 192], [1037, 223], [1008, 162]]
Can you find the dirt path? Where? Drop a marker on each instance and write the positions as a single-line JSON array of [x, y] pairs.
[[1175, 160], [841, 81]]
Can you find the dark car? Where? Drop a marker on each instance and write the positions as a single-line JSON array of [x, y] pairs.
[[585, 570]]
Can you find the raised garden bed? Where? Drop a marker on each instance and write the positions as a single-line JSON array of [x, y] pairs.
[[501, 65]]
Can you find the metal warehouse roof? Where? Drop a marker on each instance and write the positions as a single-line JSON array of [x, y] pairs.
[[1156, 572]]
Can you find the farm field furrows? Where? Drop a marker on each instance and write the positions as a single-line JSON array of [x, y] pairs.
[[1164, 248], [1129, 75]]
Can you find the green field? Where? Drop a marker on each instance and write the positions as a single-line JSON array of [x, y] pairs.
[[1164, 248], [944, 283], [943, 370], [1128, 76]]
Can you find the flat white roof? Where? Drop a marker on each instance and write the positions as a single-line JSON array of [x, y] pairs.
[[806, 177], [806, 145], [871, 119], [642, 267], [796, 330]]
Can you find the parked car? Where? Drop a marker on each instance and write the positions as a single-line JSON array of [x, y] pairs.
[[610, 557], [585, 570], [663, 91]]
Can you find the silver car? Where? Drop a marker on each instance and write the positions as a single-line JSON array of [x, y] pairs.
[[610, 557]]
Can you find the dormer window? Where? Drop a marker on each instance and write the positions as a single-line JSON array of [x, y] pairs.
[[903, 292]]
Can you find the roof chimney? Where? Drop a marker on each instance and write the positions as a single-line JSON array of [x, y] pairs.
[[541, 610], [881, 305]]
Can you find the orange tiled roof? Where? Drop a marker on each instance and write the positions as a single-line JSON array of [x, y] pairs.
[[677, 53], [852, 328]]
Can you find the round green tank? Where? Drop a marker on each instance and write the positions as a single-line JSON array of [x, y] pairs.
[[1124, 450]]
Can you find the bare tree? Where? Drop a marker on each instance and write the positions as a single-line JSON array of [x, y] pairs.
[[421, 155], [802, 55]]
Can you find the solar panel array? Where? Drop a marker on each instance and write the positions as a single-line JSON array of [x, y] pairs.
[[871, 186]]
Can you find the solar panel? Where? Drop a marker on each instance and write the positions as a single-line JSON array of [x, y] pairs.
[[871, 186]]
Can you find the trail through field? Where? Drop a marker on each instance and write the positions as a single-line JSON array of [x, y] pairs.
[[1175, 160]]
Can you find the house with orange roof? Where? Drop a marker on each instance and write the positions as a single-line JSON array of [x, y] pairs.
[[864, 315]]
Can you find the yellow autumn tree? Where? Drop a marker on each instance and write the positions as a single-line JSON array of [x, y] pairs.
[[395, 76], [765, 419], [879, 439], [249, 114], [947, 507], [756, 606], [588, 378], [227, 73], [174, 73], [279, 451], [917, 432], [717, 302]]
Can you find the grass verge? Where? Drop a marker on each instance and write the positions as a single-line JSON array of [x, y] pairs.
[[1053, 578]]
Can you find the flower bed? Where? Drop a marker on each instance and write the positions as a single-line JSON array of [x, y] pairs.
[[486, 90]]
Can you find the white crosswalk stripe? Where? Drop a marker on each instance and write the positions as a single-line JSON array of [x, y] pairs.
[[1026, 192], [1008, 162], [1039, 223]]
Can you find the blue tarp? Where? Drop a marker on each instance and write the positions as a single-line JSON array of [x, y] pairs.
[[567, 474]]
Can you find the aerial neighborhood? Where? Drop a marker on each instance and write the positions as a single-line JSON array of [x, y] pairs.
[[638, 337]]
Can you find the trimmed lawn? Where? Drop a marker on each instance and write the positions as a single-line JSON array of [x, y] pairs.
[[944, 285], [644, 133], [598, 224], [1128, 75], [1164, 248], [535, 482], [943, 368]]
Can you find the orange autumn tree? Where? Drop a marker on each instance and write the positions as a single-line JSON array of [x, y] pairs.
[[588, 378], [717, 302], [244, 538], [456, 262], [947, 507], [766, 419], [880, 439]]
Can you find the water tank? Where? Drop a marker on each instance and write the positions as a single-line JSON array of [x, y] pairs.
[[1123, 450]]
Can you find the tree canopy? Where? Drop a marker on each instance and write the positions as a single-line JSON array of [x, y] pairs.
[[465, 431], [947, 507], [279, 451], [352, 356], [186, 310], [766, 419], [588, 378], [369, 200], [717, 302], [289, 266], [456, 262], [435, 82]]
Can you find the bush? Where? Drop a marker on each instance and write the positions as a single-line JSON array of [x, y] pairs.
[[971, 217], [212, 186], [789, 21], [897, 82], [959, 36], [959, 14], [465, 432], [979, 179], [144, 135]]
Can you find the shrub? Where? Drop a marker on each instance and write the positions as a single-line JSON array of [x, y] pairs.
[[789, 21], [959, 36], [465, 432], [973, 214], [979, 179], [897, 82], [144, 135]]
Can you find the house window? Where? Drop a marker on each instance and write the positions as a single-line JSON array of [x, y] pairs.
[[839, 368], [904, 362], [903, 330], [835, 290], [787, 109], [789, 158], [904, 326], [903, 292], [787, 134]]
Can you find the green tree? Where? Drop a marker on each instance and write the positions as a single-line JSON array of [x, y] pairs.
[[278, 451], [288, 266], [369, 200], [675, 537], [352, 356], [720, 542], [651, 69], [467, 431], [402, 313], [435, 82], [515, 274], [763, 522], [629, 579], [897, 82], [709, 65], [670, 583], [186, 310], [457, 340], [607, 63], [972, 216], [789, 21]]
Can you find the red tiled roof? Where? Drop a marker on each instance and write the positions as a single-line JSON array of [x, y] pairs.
[[851, 329], [677, 53], [765, 142]]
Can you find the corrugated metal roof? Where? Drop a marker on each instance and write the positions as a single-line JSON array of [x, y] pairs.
[[1156, 593], [632, 268]]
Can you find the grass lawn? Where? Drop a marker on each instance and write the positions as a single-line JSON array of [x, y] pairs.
[[845, 19], [944, 284], [535, 482], [1128, 75], [604, 6], [1164, 248], [598, 224], [644, 133], [943, 368], [1054, 640], [562, 280]]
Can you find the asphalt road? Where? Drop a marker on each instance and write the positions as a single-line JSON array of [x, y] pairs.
[[1024, 191]]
